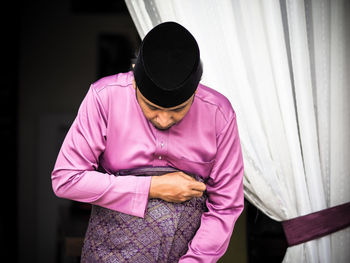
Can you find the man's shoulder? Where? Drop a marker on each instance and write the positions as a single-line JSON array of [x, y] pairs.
[[117, 80], [218, 101], [118, 87]]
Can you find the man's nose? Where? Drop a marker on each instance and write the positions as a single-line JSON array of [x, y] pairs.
[[164, 119]]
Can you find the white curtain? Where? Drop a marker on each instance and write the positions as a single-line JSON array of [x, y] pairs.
[[284, 65]]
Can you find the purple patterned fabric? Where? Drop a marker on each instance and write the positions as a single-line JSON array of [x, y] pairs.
[[161, 236]]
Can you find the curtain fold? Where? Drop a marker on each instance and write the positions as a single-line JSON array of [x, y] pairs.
[[339, 120], [283, 65], [300, 57]]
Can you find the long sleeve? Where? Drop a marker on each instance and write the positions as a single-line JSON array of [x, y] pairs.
[[225, 200], [75, 174]]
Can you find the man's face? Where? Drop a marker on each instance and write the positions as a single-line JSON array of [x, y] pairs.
[[162, 118]]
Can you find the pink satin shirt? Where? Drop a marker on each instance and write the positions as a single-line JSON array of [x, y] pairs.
[[111, 131]]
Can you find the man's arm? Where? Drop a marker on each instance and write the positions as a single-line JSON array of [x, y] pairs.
[[74, 175], [225, 200]]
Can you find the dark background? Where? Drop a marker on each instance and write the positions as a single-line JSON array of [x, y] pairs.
[[51, 53]]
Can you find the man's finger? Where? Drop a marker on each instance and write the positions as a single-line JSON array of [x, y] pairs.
[[197, 193], [198, 186], [187, 176]]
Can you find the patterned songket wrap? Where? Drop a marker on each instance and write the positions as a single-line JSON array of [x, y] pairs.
[[161, 236]]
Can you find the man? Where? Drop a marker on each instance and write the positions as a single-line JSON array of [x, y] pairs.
[[159, 157]]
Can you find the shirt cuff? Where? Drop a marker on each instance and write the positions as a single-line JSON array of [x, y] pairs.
[[140, 201]]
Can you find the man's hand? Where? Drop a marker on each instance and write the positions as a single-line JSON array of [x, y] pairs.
[[175, 187]]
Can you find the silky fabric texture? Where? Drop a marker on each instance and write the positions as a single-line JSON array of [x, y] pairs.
[[111, 131], [161, 236]]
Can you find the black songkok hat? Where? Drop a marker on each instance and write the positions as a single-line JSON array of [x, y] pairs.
[[168, 67]]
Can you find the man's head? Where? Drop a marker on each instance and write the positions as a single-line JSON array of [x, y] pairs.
[[167, 72], [162, 118]]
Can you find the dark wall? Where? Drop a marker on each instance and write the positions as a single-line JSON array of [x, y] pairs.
[[61, 45], [9, 46]]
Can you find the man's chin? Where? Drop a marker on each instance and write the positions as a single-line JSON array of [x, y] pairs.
[[162, 128]]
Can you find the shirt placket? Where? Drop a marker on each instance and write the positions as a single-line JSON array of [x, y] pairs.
[[160, 157]]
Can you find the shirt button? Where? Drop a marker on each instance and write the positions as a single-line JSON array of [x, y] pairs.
[[161, 144], [160, 157]]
